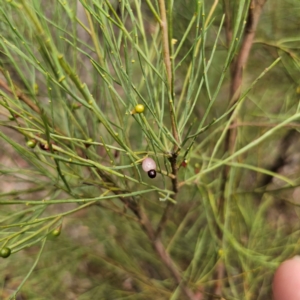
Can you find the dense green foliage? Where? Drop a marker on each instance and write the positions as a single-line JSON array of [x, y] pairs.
[[81, 217]]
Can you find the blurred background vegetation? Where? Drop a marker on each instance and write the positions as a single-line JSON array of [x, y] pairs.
[[81, 217]]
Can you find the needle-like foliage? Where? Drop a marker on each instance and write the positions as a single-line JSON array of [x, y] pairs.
[[217, 89]]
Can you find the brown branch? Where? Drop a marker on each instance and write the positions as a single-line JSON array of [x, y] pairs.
[[255, 10], [254, 13], [159, 247], [168, 210], [173, 158], [155, 241], [228, 26], [20, 96], [237, 68]]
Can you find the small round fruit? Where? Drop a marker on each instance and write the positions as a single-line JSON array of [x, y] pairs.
[[139, 108], [31, 143], [56, 232], [152, 173], [148, 164], [5, 252]]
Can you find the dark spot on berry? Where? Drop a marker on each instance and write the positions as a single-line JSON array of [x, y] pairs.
[[152, 173]]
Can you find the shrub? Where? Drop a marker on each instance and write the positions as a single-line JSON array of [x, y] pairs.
[[100, 86]]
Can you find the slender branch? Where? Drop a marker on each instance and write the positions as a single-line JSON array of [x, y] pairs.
[[165, 257], [262, 124], [237, 68], [156, 242], [165, 40], [255, 10], [21, 96], [228, 18], [254, 13], [228, 26], [159, 247], [170, 79], [170, 205], [168, 64]]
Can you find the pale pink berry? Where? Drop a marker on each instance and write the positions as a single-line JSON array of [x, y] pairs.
[[148, 164]]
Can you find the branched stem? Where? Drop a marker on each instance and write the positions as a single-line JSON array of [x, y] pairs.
[[173, 159], [155, 241]]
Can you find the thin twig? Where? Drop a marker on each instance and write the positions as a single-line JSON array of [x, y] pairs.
[[228, 27], [156, 242], [20, 96], [255, 10], [162, 253], [237, 68], [173, 158], [170, 205], [168, 64], [165, 40], [262, 124]]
